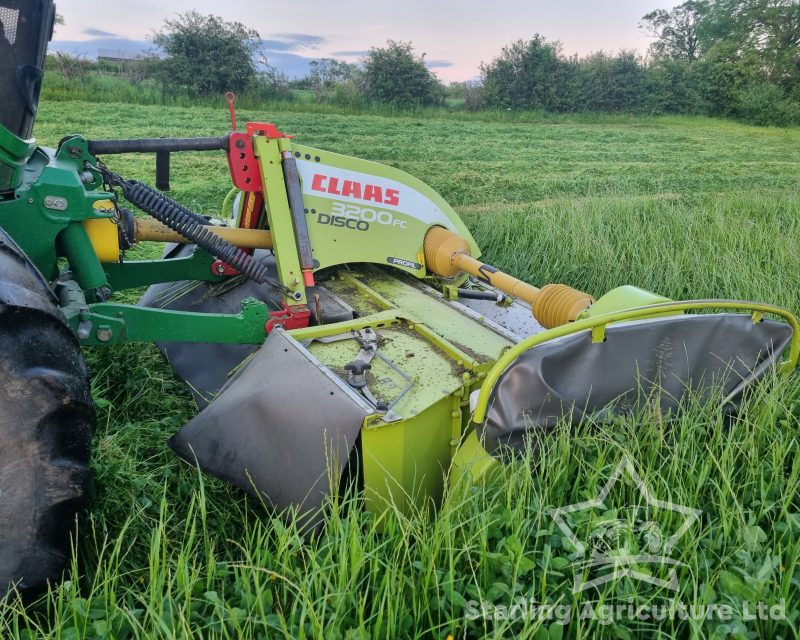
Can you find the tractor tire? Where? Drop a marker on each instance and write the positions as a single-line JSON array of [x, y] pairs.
[[46, 424]]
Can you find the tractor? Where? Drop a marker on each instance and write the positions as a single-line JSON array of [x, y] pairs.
[[337, 322]]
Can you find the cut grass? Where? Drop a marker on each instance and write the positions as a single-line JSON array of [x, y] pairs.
[[689, 208]]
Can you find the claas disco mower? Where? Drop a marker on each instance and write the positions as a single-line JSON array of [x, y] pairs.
[[341, 319]]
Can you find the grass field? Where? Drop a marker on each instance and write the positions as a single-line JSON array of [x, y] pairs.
[[689, 208]]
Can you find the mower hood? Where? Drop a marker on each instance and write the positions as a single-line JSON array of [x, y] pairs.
[[658, 362]]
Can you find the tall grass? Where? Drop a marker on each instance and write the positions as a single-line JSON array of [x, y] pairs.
[[201, 562], [687, 208], [741, 245]]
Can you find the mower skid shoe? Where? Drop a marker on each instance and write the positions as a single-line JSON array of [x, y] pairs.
[[282, 429], [656, 362]]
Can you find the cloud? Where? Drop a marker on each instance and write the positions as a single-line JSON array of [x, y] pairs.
[[293, 41], [293, 65], [99, 33], [351, 54], [277, 45], [88, 48], [438, 64]]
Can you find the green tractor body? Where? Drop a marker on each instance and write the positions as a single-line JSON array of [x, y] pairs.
[[340, 330]]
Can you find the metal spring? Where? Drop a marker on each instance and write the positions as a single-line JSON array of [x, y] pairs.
[[191, 226]]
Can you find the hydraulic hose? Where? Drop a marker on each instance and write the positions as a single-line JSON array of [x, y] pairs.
[[191, 226]]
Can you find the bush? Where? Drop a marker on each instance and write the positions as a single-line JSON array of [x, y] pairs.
[[611, 83], [73, 68], [272, 84], [524, 76], [469, 94], [675, 86], [348, 94], [765, 103], [395, 75], [206, 55]]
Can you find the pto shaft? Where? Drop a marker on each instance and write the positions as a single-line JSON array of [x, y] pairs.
[[447, 255], [149, 229]]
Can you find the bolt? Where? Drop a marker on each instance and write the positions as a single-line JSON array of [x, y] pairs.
[[297, 295], [240, 143], [220, 269], [104, 334], [84, 330], [103, 293], [75, 152]]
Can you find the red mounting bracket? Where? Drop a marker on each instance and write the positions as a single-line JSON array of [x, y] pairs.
[[290, 317], [220, 268], [266, 129], [242, 160]]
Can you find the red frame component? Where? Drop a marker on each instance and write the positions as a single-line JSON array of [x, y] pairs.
[[230, 97], [220, 268], [242, 162], [266, 129], [294, 316], [246, 176], [241, 159]]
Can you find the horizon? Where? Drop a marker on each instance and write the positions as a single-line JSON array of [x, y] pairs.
[[314, 30]]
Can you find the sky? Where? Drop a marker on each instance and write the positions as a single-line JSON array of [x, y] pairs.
[[456, 36]]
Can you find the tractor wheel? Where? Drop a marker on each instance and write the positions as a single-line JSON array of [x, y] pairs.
[[46, 423]]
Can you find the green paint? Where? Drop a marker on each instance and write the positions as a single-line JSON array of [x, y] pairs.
[[624, 297], [14, 154], [473, 461], [36, 225], [442, 350], [406, 457], [110, 323], [142, 273], [474, 340], [78, 250]]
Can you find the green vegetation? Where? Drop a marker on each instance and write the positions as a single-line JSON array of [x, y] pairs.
[[734, 58], [205, 54], [731, 58], [686, 207], [395, 75]]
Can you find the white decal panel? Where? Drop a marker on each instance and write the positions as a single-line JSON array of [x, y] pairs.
[[378, 196]]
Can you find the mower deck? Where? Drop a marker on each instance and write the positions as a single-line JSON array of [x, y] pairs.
[[431, 353]]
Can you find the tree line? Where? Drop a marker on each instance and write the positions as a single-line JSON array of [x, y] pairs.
[[735, 58], [730, 58]]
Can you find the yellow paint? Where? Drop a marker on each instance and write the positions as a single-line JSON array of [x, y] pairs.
[[104, 237]]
